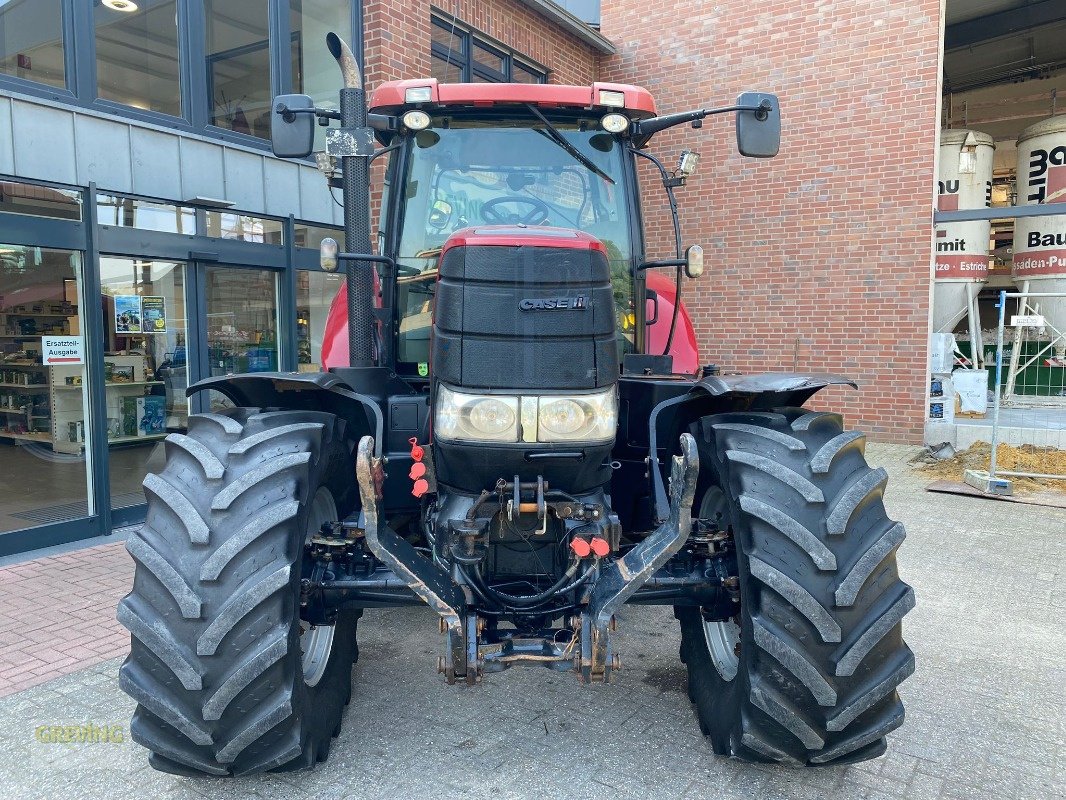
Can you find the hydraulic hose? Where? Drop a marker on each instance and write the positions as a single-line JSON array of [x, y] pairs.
[[528, 601]]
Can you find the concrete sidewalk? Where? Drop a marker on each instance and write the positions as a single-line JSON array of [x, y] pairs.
[[986, 708]]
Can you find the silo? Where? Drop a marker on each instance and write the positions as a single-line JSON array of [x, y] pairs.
[[1040, 242], [965, 182]]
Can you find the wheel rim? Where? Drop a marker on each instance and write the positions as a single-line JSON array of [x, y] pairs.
[[316, 641], [723, 638]]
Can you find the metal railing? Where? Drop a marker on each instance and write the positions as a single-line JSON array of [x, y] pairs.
[[1032, 391]]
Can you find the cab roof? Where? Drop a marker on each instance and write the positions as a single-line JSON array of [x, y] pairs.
[[391, 97]]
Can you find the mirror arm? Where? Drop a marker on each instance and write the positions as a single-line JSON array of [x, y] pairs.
[[645, 128], [666, 262]]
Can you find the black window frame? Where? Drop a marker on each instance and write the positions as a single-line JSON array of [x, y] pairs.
[[464, 59], [79, 50]]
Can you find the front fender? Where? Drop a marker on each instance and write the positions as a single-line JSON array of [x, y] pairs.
[[308, 391], [715, 394]]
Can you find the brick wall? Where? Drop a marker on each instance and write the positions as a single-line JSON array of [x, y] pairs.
[[819, 259], [397, 38]]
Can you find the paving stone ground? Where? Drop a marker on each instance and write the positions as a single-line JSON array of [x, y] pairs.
[[986, 709]]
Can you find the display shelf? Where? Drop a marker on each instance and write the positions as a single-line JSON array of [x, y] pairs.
[[36, 315], [119, 383], [19, 412], [24, 385], [147, 438], [29, 437]]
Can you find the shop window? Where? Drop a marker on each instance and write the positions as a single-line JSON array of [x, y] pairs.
[[314, 71], [459, 55], [137, 61], [245, 228], [129, 212], [31, 41], [242, 323], [43, 409], [312, 235], [39, 201], [238, 65], [315, 292], [145, 367]]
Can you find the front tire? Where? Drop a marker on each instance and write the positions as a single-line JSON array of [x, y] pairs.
[[816, 644], [227, 679]]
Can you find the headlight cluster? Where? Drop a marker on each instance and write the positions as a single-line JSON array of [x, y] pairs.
[[507, 418]]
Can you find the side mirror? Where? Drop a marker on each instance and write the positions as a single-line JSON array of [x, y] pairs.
[[694, 261], [292, 126], [759, 131]]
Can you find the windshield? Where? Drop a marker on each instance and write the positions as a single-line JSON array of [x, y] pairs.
[[464, 173]]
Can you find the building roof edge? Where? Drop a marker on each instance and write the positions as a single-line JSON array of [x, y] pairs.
[[572, 25]]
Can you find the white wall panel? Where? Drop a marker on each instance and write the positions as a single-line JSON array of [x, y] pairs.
[[42, 142], [315, 201], [281, 187], [155, 162], [244, 180], [43, 139], [102, 153], [201, 170]]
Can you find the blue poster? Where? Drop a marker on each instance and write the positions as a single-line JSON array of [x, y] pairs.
[[127, 313]]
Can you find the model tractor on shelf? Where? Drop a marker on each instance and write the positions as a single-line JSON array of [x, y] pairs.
[[520, 438]]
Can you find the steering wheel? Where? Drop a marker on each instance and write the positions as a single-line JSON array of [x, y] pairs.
[[537, 215]]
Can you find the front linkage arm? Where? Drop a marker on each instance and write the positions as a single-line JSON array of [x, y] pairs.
[[622, 578], [429, 582], [616, 583]]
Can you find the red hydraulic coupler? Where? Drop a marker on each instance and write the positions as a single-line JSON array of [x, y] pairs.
[[418, 469], [580, 547], [600, 546]]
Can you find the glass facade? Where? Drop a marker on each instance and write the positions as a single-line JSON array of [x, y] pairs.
[[131, 212], [31, 41], [138, 62], [314, 71], [207, 66], [83, 433], [244, 228], [238, 65]]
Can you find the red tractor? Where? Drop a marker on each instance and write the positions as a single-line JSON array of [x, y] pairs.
[[521, 438]]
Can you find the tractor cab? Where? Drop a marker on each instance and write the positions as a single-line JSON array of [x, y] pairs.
[[517, 157]]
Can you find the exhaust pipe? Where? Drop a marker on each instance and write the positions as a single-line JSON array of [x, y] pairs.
[[353, 76], [359, 278]]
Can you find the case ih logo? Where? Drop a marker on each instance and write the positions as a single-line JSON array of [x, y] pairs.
[[555, 304]]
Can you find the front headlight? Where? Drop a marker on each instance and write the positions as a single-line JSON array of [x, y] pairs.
[[483, 418], [551, 418], [579, 417]]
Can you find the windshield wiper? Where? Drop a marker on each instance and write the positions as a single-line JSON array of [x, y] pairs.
[[551, 132]]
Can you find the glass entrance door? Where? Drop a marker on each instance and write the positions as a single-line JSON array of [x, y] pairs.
[[43, 407], [241, 322], [145, 367]]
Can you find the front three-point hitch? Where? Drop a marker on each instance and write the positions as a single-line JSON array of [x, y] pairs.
[[596, 584]]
